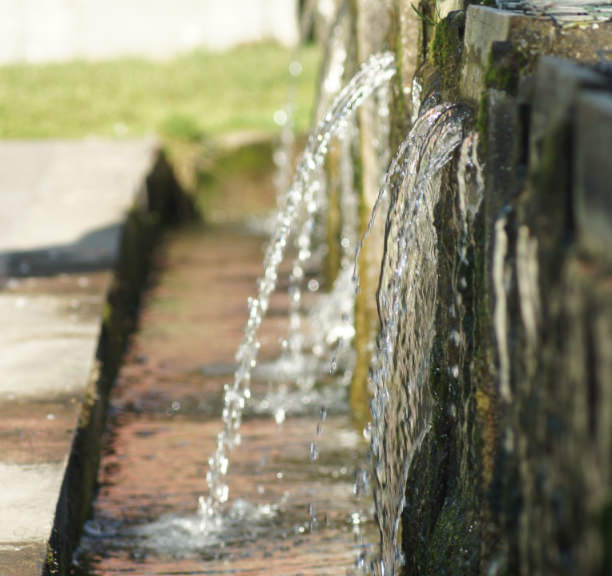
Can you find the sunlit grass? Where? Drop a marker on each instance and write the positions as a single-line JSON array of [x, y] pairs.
[[190, 98]]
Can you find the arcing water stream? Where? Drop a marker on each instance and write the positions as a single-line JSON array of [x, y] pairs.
[[406, 306], [301, 195], [401, 403]]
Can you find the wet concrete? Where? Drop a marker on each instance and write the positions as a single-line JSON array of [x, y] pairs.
[[165, 416]]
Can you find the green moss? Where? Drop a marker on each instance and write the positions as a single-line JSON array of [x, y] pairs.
[[91, 396], [505, 67], [52, 565], [455, 541], [446, 50], [440, 47], [429, 15], [500, 78]]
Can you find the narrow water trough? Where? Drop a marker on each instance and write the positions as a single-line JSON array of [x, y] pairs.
[[164, 419]]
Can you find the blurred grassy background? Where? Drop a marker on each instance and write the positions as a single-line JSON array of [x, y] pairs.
[[214, 113], [194, 96]]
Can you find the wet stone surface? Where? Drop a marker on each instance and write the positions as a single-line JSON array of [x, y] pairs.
[[164, 418]]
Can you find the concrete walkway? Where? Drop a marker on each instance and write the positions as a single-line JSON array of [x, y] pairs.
[[64, 205]]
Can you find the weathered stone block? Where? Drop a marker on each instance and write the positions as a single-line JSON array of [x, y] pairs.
[[502, 135], [557, 83], [593, 171], [483, 26], [530, 37]]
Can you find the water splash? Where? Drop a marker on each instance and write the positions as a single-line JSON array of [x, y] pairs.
[[401, 405], [374, 73], [184, 536]]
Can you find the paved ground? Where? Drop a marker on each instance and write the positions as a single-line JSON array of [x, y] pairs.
[[63, 206]]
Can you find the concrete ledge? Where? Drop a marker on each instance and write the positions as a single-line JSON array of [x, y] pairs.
[[528, 37], [483, 26], [556, 87], [82, 220]]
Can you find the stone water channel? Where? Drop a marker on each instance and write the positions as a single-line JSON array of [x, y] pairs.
[[290, 514], [490, 376]]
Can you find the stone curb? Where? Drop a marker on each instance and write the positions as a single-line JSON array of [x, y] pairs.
[[160, 202], [63, 462]]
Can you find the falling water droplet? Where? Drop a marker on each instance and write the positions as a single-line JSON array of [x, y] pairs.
[[333, 366], [279, 416], [314, 452]]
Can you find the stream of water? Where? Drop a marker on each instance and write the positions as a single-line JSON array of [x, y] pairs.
[[406, 304], [401, 405], [300, 196], [271, 517], [290, 514]]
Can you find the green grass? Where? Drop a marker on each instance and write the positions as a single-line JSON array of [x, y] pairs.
[[189, 98]]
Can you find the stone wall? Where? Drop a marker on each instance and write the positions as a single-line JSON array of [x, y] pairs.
[[515, 474]]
